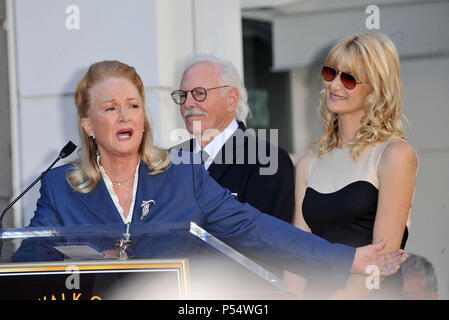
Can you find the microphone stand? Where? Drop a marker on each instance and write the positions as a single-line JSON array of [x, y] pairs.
[[67, 150], [25, 191]]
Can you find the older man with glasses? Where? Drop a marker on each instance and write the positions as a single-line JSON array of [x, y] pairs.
[[213, 104]]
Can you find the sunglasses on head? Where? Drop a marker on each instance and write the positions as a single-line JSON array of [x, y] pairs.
[[347, 79]]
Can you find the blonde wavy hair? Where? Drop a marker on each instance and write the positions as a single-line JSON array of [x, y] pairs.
[[373, 58], [84, 173]]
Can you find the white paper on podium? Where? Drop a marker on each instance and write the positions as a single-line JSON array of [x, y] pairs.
[[80, 252]]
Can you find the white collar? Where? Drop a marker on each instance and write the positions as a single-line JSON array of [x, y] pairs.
[[214, 147], [110, 188]]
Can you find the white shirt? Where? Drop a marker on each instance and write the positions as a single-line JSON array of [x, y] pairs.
[[114, 197], [214, 147]]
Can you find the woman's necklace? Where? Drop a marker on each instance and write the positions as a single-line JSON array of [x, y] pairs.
[[122, 182], [344, 143], [114, 183]]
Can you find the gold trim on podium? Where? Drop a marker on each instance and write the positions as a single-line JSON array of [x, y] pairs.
[[179, 265]]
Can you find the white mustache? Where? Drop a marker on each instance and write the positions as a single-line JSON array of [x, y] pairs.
[[193, 112]]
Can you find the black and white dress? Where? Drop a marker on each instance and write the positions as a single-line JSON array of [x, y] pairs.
[[341, 197]]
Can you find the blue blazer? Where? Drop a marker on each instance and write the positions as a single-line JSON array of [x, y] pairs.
[[185, 193]]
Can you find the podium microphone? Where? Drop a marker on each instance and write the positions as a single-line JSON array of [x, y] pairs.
[[66, 151]]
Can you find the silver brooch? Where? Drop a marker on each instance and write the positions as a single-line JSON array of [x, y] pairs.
[[146, 207]]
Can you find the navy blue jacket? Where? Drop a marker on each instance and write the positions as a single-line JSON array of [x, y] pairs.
[[185, 193]]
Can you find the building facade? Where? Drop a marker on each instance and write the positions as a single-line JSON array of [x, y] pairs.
[[277, 45]]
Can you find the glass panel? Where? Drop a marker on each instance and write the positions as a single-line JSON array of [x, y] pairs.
[[215, 270]]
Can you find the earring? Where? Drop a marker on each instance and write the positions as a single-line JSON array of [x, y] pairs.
[[92, 137]]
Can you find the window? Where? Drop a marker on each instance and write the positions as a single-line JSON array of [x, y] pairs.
[[268, 91]]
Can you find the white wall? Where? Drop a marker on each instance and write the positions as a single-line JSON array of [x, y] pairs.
[[427, 108], [154, 36], [417, 29], [185, 28]]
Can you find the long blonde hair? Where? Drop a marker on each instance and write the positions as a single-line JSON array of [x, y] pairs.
[[84, 173], [372, 57]]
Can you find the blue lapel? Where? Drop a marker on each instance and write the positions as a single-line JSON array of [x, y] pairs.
[[148, 188], [100, 204]]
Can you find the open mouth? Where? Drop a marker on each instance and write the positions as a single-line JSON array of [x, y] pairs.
[[125, 134], [335, 97]]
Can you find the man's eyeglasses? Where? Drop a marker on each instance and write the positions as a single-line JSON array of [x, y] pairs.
[[199, 94], [348, 80]]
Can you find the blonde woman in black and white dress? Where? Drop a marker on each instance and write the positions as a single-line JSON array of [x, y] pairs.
[[357, 186]]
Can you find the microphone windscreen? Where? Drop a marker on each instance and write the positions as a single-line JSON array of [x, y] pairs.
[[67, 150]]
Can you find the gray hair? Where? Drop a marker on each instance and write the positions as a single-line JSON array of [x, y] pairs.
[[417, 266], [228, 75]]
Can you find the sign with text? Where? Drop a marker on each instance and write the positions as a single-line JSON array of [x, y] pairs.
[[96, 280]]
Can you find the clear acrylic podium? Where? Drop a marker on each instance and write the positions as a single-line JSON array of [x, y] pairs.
[[136, 261]]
